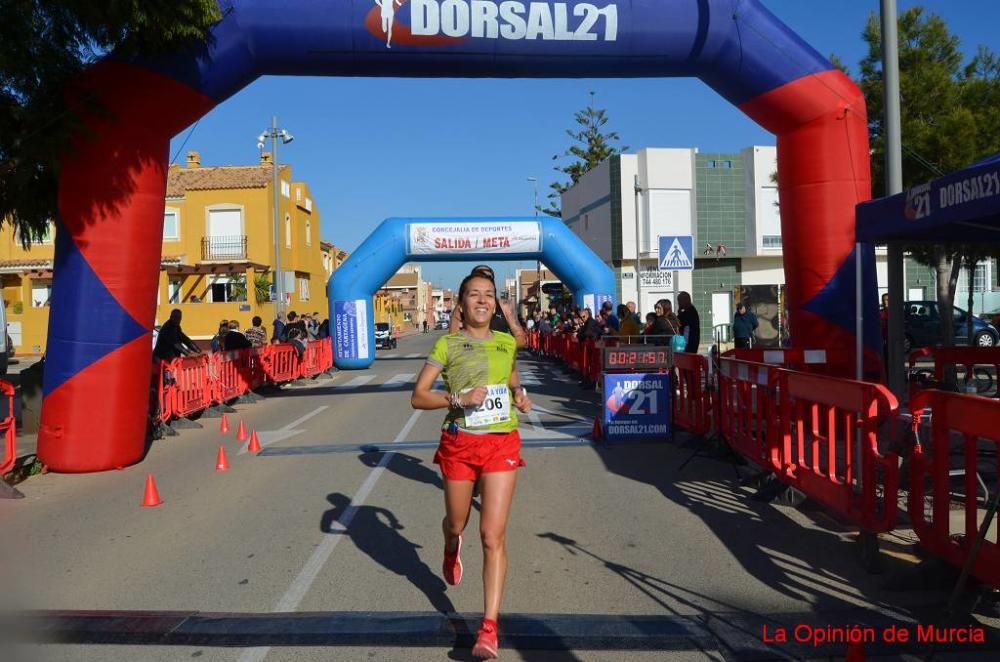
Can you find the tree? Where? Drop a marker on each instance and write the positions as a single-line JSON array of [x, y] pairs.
[[949, 120], [593, 147], [43, 45]]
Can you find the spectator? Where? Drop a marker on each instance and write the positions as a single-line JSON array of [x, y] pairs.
[[629, 327], [256, 334], [217, 340], [650, 321], [312, 325], [171, 341], [690, 322], [295, 338], [295, 323], [589, 328], [632, 311], [234, 340], [744, 326], [666, 323], [612, 322], [324, 329], [278, 330]]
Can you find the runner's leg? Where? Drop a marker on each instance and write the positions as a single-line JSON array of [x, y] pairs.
[[497, 493], [457, 506]]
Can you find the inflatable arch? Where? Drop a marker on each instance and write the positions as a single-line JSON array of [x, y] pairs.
[[112, 185], [400, 240]]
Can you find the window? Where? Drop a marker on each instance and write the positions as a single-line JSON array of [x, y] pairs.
[[171, 226], [728, 165], [224, 289], [286, 189], [407, 317], [771, 241], [298, 195], [174, 291], [309, 233], [711, 164], [41, 291], [769, 218], [303, 289], [288, 231], [309, 204], [978, 281]]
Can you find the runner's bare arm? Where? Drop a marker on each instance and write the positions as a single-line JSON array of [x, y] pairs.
[[516, 329], [423, 396]]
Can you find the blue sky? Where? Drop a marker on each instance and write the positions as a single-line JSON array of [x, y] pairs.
[[374, 148]]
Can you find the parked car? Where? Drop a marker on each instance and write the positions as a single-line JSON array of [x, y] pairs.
[[923, 327], [441, 324], [383, 336]]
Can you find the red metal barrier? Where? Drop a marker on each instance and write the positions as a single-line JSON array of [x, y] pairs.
[[193, 391], [281, 364], [838, 363], [228, 381], [165, 388], [966, 358], [252, 367], [747, 409], [312, 360], [9, 429], [828, 434], [692, 403], [974, 420]]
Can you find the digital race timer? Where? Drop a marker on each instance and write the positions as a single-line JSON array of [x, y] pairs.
[[638, 358]]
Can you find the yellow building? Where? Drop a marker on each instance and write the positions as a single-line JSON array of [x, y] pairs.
[[218, 252]]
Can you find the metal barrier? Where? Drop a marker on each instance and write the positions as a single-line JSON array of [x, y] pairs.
[[9, 428], [165, 388], [281, 364], [193, 390], [974, 420], [692, 401], [313, 358], [838, 363], [976, 362], [827, 435], [228, 382], [747, 410]]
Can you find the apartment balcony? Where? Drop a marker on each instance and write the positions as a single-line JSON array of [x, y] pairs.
[[224, 249]]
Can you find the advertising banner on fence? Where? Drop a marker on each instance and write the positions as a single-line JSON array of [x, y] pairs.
[[471, 238], [350, 320], [637, 407]]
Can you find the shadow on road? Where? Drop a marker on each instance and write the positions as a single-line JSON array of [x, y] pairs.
[[409, 467], [375, 531]]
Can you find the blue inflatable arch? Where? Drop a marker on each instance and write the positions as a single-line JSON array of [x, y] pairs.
[[400, 240], [112, 185]]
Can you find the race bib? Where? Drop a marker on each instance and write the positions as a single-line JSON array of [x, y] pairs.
[[495, 408]]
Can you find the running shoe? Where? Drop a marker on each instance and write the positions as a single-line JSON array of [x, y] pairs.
[[486, 641], [452, 566]]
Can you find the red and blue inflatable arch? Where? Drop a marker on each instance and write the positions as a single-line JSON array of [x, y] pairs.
[[113, 182]]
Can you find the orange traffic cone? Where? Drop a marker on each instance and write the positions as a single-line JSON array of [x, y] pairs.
[[151, 498], [221, 463], [241, 432], [254, 445], [224, 426]]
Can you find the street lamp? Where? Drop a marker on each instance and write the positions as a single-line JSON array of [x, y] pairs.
[[538, 263], [274, 133]]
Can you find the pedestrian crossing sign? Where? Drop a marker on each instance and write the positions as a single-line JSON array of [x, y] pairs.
[[676, 252]]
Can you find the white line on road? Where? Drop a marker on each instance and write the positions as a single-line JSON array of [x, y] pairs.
[[413, 356], [536, 421], [354, 383], [301, 584], [268, 437], [396, 380]]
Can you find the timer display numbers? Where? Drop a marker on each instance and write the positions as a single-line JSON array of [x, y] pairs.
[[624, 359]]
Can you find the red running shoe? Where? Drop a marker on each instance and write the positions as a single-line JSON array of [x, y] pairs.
[[452, 566], [486, 642]]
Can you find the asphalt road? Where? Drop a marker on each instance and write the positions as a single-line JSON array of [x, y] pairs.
[[316, 525]]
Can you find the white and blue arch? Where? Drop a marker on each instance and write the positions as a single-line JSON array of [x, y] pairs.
[[390, 246]]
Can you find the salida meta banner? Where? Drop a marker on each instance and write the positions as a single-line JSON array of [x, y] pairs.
[[473, 238]]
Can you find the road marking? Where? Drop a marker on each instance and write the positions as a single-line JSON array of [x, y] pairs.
[[302, 583], [413, 356], [536, 421], [397, 380], [354, 383], [268, 437], [569, 417]]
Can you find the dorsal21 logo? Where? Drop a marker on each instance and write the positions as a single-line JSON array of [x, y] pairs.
[[485, 19]]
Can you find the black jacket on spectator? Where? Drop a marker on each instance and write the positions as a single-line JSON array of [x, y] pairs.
[[172, 343], [691, 323], [235, 340], [297, 324], [590, 329]]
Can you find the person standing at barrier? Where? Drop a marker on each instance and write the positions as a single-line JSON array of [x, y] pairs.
[[216, 343], [665, 323], [277, 330], [295, 323], [479, 439], [611, 321], [744, 326], [690, 322], [171, 343], [629, 328], [234, 340], [256, 333]]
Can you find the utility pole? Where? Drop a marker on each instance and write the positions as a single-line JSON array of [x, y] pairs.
[[638, 268], [274, 133], [894, 184]]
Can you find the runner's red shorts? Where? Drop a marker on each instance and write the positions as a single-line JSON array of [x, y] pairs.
[[465, 456]]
